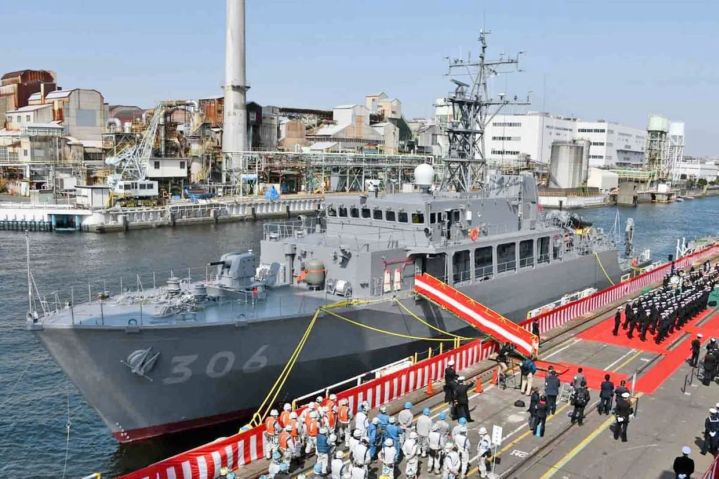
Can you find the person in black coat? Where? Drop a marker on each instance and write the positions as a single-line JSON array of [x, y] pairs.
[[684, 465], [535, 328], [461, 399], [532, 409], [696, 348], [450, 377], [622, 411], [551, 390], [606, 394], [617, 321], [580, 400], [540, 415]]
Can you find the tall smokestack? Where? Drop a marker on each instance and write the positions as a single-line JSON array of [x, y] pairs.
[[234, 136]]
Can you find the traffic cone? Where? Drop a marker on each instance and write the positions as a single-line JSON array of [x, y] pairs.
[[478, 386], [430, 390], [495, 380]]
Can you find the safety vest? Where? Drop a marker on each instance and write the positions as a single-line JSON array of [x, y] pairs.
[[313, 429], [284, 439], [270, 426], [294, 432], [331, 421], [329, 404], [284, 418], [344, 414]]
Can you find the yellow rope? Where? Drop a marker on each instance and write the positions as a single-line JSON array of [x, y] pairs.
[[271, 397], [384, 331], [602, 267], [405, 308]]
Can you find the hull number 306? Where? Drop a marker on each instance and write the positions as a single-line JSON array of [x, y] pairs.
[[183, 367]]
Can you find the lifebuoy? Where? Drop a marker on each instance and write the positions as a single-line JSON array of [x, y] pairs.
[[474, 234]]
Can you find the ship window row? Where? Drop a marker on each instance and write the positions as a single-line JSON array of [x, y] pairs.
[[376, 214], [501, 258]]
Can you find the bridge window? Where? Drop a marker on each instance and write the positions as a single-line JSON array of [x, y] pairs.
[[331, 211], [418, 218], [506, 257], [526, 253], [403, 218], [354, 212], [460, 266], [390, 216], [432, 218], [483, 263], [342, 212], [543, 250], [366, 213], [377, 214]]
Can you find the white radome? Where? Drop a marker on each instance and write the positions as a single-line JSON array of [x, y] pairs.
[[424, 175]]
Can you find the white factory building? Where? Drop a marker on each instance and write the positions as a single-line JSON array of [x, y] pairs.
[[518, 137], [697, 168]]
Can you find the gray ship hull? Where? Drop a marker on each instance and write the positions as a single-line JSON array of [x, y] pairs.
[[208, 373]]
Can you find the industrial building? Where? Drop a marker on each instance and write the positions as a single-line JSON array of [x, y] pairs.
[[517, 137], [691, 168]]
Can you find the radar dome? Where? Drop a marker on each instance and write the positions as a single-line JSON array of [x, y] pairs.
[[424, 175]]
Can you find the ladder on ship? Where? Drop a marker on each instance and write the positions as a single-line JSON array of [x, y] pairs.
[[476, 314]]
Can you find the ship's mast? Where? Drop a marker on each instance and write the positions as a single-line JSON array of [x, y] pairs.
[[471, 110]]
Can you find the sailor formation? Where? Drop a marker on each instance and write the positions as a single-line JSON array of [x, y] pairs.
[[327, 428], [668, 308]]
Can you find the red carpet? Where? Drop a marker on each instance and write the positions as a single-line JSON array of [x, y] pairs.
[[602, 333], [672, 360], [566, 372]]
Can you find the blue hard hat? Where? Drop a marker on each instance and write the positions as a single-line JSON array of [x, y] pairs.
[[443, 415], [276, 455], [426, 411], [284, 467], [462, 421], [408, 405], [318, 468]]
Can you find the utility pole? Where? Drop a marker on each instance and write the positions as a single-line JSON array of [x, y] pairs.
[[472, 110]]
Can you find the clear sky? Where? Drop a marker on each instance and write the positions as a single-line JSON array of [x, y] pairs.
[[616, 60]]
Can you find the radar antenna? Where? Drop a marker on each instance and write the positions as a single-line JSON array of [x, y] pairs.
[[471, 110]]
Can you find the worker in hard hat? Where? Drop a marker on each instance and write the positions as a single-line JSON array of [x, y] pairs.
[[274, 466], [388, 458], [404, 419], [344, 418], [461, 442], [323, 449], [361, 420], [424, 427], [411, 452], [435, 447], [286, 444], [338, 466], [284, 418], [452, 463], [484, 451], [311, 430], [271, 433], [394, 432]]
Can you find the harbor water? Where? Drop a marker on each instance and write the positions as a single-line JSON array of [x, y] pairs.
[[46, 428]]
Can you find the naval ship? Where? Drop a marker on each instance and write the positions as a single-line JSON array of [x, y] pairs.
[[191, 354]]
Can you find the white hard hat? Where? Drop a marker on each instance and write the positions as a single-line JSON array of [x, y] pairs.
[[339, 454], [686, 451], [450, 362], [357, 434], [293, 415], [332, 439], [700, 335], [483, 430], [313, 414], [383, 409], [392, 420], [287, 407], [461, 378], [274, 413], [449, 446], [312, 405], [712, 411], [319, 399], [333, 397], [388, 442], [288, 428], [625, 395], [323, 430], [342, 402], [462, 429], [375, 420], [413, 435]]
